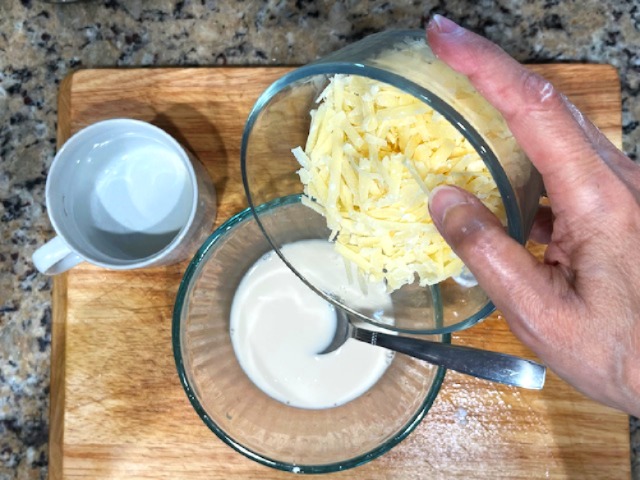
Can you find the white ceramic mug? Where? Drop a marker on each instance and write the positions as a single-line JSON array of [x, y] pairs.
[[123, 194]]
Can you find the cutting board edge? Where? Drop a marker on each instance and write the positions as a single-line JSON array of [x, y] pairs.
[[57, 378], [59, 316]]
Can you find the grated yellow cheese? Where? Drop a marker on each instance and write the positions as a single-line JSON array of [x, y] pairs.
[[372, 156]]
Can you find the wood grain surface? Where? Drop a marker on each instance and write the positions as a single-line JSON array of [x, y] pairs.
[[118, 410]]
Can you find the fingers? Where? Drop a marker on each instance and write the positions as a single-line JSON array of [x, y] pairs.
[[538, 115], [505, 270], [627, 171]]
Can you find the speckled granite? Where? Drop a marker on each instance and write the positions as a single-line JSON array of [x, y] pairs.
[[40, 43]]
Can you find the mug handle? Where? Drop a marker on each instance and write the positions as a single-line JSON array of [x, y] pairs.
[[55, 257]]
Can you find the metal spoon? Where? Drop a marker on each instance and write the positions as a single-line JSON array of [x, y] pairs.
[[493, 366]]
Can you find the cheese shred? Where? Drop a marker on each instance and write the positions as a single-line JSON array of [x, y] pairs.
[[372, 156]]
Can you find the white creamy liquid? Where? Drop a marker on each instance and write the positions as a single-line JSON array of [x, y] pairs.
[[278, 326]]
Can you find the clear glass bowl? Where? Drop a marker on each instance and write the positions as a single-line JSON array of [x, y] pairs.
[[254, 424], [280, 122]]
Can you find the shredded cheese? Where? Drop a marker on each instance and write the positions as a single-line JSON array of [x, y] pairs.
[[372, 156]]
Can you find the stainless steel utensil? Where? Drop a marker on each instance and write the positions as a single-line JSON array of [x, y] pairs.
[[492, 366]]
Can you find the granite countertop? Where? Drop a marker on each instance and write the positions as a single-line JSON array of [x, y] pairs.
[[40, 43]]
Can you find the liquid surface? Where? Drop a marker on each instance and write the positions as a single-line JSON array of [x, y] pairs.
[[278, 326]]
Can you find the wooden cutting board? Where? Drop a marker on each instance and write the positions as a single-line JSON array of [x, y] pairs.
[[117, 408]]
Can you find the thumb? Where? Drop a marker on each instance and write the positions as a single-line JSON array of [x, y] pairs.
[[505, 270]]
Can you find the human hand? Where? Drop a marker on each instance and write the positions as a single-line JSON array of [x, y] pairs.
[[579, 311]]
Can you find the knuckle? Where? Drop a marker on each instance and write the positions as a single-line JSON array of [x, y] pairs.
[[540, 92], [480, 238]]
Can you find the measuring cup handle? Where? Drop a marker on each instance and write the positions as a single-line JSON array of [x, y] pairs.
[[55, 257]]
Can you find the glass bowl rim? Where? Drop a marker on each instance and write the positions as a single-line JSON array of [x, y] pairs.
[[515, 227], [191, 273]]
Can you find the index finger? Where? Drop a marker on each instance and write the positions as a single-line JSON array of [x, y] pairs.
[[537, 114]]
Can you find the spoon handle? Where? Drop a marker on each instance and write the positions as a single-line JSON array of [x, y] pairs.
[[493, 366]]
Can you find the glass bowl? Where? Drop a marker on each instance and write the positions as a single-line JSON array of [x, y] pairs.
[[280, 121], [239, 413]]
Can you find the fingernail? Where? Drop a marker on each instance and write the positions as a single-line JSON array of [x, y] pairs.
[[442, 199], [443, 25]]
